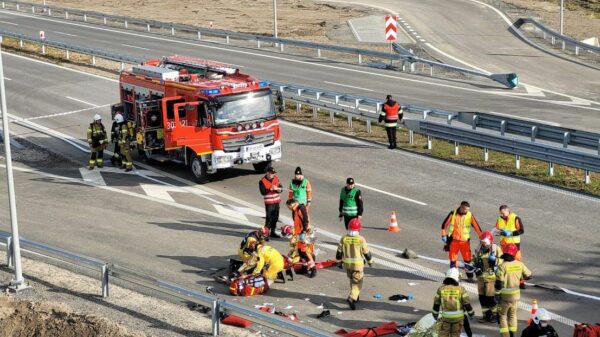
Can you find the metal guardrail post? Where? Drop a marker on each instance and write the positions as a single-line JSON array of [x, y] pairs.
[[502, 127], [349, 121], [429, 143], [258, 43], [331, 117], [49, 12], [9, 252], [85, 18], [425, 114], [93, 60], [105, 20], [32, 10], [3, 5], [315, 112], [553, 40], [359, 58], [199, 35], [577, 50], [126, 25], [599, 147], [43, 49], [173, 31], [456, 148], [563, 45], [318, 52], [148, 28], [411, 137], [368, 126], [474, 122], [68, 54], [122, 67], [449, 119], [66, 15], [587, 179], [17, 6], [551, 169], [517, 162], [431, 70], [216, 313], [281, 47], [534, 131], [486, 154], [104, 275], [566, 139], [21, 43]]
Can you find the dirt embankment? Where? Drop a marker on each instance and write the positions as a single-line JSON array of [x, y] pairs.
[[26, 319]]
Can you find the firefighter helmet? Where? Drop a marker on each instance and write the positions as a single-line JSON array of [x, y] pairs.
[[541, 315], [511, 249], [354, 225], [487, 238], [454, 274], [119, 118], [97, 117], [286, 230], [263, 231]]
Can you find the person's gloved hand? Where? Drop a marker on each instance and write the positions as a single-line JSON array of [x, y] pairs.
[[302, 237], [492, 258], [444, 239], [507, 233]]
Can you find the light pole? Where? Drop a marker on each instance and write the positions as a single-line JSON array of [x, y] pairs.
[[18, 282], [274, 18], [562, 9]]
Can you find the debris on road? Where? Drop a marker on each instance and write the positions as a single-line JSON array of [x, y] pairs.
[[324, 314], [409, 254]]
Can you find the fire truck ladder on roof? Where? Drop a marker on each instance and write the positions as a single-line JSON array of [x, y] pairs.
[[208, 65]]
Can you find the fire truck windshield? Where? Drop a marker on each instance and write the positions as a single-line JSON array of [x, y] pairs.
[[244, 107]]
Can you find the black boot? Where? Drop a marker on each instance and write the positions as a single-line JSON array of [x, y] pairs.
[[290, 272], [351, 303], [280, 276]]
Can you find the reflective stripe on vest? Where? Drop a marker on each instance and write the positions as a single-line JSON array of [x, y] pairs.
[[465, 227], [349, 207], [300, 192], [451, 302], [272, 197], [510, 224], [391, 114], [352, 250], [453, 314]]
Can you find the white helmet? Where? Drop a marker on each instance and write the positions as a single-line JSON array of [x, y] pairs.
[[97, 117], [119, 118], [453, 273], [541, 315]]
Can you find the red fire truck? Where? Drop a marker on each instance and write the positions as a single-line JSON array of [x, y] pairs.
[[204, 114]]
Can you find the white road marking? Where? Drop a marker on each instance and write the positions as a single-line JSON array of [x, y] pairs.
[[65, 113], [348, 86], [499, 93], [81, 101], [392, 194], [7, 79], [525, 118], [136, 47], [9, 23], [67, 34], [92, 176], [159, 191], [227, 211]]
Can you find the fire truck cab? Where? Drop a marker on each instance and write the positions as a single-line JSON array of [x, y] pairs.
[[204, 114]]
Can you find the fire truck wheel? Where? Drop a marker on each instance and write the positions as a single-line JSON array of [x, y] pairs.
[[198, 169], [262, 166]]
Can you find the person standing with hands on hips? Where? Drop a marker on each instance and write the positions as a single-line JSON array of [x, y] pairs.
[[351, 204], [391, 113]]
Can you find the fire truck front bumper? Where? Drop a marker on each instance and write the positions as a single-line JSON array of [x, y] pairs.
[[247, 154]]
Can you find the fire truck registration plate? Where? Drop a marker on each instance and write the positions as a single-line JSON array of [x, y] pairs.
[[254, 150]]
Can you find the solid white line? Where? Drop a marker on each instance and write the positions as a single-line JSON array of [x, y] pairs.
[[60, 114], [499, 93], [525, 118], [67, 34], [81, 101], [354, 31], [347, 86], [392, 195], [9, 23], [136, 47]]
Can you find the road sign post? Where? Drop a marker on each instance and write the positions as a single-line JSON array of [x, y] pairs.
[[390, 32], [18, 283]]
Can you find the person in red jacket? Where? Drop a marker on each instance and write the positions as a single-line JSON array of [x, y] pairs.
[[270, 188], [391, 113]]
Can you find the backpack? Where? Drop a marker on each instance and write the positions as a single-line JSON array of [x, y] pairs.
[[248, 285]]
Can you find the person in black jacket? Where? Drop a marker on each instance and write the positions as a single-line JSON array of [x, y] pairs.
[[539, 326], [115, 160]]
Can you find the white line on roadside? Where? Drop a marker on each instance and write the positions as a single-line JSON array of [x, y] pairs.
[[525, 118], [67, 34], [9, 23], [397, 77], [7, 79], [392, 194], [81, 101], [64, 113], [136, 47], [348, 86]]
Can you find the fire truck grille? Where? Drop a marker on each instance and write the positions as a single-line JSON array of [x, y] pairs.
[[234, 144]]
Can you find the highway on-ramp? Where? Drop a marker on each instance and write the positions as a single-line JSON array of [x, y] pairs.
[[182, 236], [567, 110]]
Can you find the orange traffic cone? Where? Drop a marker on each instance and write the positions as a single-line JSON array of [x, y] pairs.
[[534, 308], [393, 227]]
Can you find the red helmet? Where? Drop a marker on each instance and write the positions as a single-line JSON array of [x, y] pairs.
[[354, 225], [511, 249], [286, 230], [263, 231], [487, 238]]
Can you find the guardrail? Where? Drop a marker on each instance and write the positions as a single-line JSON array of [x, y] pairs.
[[217, 305], [551, 154], [408, 61], [368, 109], [556, 38]]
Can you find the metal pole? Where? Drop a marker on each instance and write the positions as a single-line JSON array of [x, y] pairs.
[[18, 282], [275, 18], [562, 9]]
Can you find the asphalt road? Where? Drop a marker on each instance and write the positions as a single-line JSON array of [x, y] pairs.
[[449, 94], [185, 239]]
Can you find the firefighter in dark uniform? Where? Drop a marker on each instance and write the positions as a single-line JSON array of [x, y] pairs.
[[115, 160], [451, 301], [351, 204], [270, 188], [391, 113], [125, 135], [96, 136]]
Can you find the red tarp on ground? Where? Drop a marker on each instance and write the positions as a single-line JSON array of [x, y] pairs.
[[381, 330]]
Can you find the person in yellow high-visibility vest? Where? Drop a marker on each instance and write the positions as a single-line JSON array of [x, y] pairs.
[[510, 227], [450, 302], [351, 255]]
